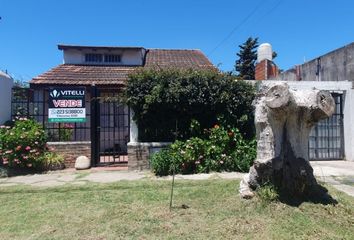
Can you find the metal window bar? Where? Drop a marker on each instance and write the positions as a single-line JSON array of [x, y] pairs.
[[326, 141], [33, 103]]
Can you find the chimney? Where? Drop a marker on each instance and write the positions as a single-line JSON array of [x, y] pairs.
[[265, 67]]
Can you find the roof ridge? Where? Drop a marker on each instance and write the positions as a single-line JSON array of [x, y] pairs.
[[174, 49]]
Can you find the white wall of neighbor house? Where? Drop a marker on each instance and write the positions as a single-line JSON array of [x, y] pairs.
[[344, 87], [6, 84], [129, 57]]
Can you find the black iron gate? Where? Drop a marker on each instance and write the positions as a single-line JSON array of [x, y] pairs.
[[110, 128], [326, 141]]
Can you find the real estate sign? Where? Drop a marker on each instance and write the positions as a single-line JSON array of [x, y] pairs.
[[66, 105]]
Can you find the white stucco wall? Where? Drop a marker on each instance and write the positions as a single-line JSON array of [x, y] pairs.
[[131, 57], [134, 132], [344, 87], [6, 84]]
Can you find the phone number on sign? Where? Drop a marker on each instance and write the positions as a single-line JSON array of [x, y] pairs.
[[67, 111]]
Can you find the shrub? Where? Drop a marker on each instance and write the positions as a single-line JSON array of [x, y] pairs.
[[22, 144], [221, 150], [51, 161], [168, 100], [161, 162]]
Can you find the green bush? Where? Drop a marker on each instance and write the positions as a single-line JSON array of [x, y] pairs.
[[51, 161], [220, 150], [161, 162], [23, 144], [168, 100]]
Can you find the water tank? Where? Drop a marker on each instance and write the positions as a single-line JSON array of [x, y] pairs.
[[264, 51]]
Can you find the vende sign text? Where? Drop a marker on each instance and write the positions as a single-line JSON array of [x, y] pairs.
[[66, 105]]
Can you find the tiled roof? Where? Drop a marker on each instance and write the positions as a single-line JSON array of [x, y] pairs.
[[167, 58], [71, 74]]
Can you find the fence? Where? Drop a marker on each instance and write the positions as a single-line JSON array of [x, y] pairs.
[[33, 103]]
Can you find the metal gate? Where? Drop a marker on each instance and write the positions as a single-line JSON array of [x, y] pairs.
[[110, 128], [326, 141]]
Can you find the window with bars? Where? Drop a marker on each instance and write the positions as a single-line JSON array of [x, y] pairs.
[[326, 140], [99, 58], [33, 103], [112, 58], [93, 57]]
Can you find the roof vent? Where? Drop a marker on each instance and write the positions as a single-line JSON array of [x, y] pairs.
[[264, 51]]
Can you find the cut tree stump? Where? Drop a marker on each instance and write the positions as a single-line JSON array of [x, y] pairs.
[[284, 118]]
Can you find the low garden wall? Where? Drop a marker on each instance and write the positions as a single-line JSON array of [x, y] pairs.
[[139, 154], [70, 151]]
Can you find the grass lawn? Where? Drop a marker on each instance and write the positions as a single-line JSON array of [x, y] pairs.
[[140, 210]]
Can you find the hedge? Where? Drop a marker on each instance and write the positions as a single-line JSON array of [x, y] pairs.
[[166, 102]]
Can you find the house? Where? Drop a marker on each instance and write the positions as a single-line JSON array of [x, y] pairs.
[[6, 83], [330, 139], [337, 65], [107, 126]]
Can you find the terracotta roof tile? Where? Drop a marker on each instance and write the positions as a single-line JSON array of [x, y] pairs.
[[177, 59], [71, 74], [84, 75]]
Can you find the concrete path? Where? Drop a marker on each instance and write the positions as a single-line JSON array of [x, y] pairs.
[[338, 173], [71, 176]]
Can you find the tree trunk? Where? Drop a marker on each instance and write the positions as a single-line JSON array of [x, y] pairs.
[[284, 118]]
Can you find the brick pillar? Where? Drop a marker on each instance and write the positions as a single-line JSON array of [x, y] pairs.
[[139, 154]]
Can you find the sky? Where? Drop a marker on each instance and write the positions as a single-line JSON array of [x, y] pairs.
[[298, 30]]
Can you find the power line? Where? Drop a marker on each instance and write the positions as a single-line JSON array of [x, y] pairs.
[[270, 10], [237, 27]]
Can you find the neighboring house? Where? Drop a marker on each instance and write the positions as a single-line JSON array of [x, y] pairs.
[[332, 138], [104, 71], [337, 65], [6, 83]]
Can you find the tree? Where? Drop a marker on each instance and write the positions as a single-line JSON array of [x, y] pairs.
[[274, 54], [245, 65]]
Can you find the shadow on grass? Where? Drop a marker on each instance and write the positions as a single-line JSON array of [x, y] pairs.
[[13, 172], [7, 171], [318, 194]]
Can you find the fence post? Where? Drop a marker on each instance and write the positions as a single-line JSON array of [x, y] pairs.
[[93, 126]]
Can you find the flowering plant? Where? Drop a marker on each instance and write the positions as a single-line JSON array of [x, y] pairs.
[[22, 144], [220, 150]]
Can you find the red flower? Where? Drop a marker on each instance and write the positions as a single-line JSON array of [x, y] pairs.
[[28, 148], [231, 134], [216, 126]]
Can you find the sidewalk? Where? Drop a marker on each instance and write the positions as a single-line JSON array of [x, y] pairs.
[[340, 174]]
